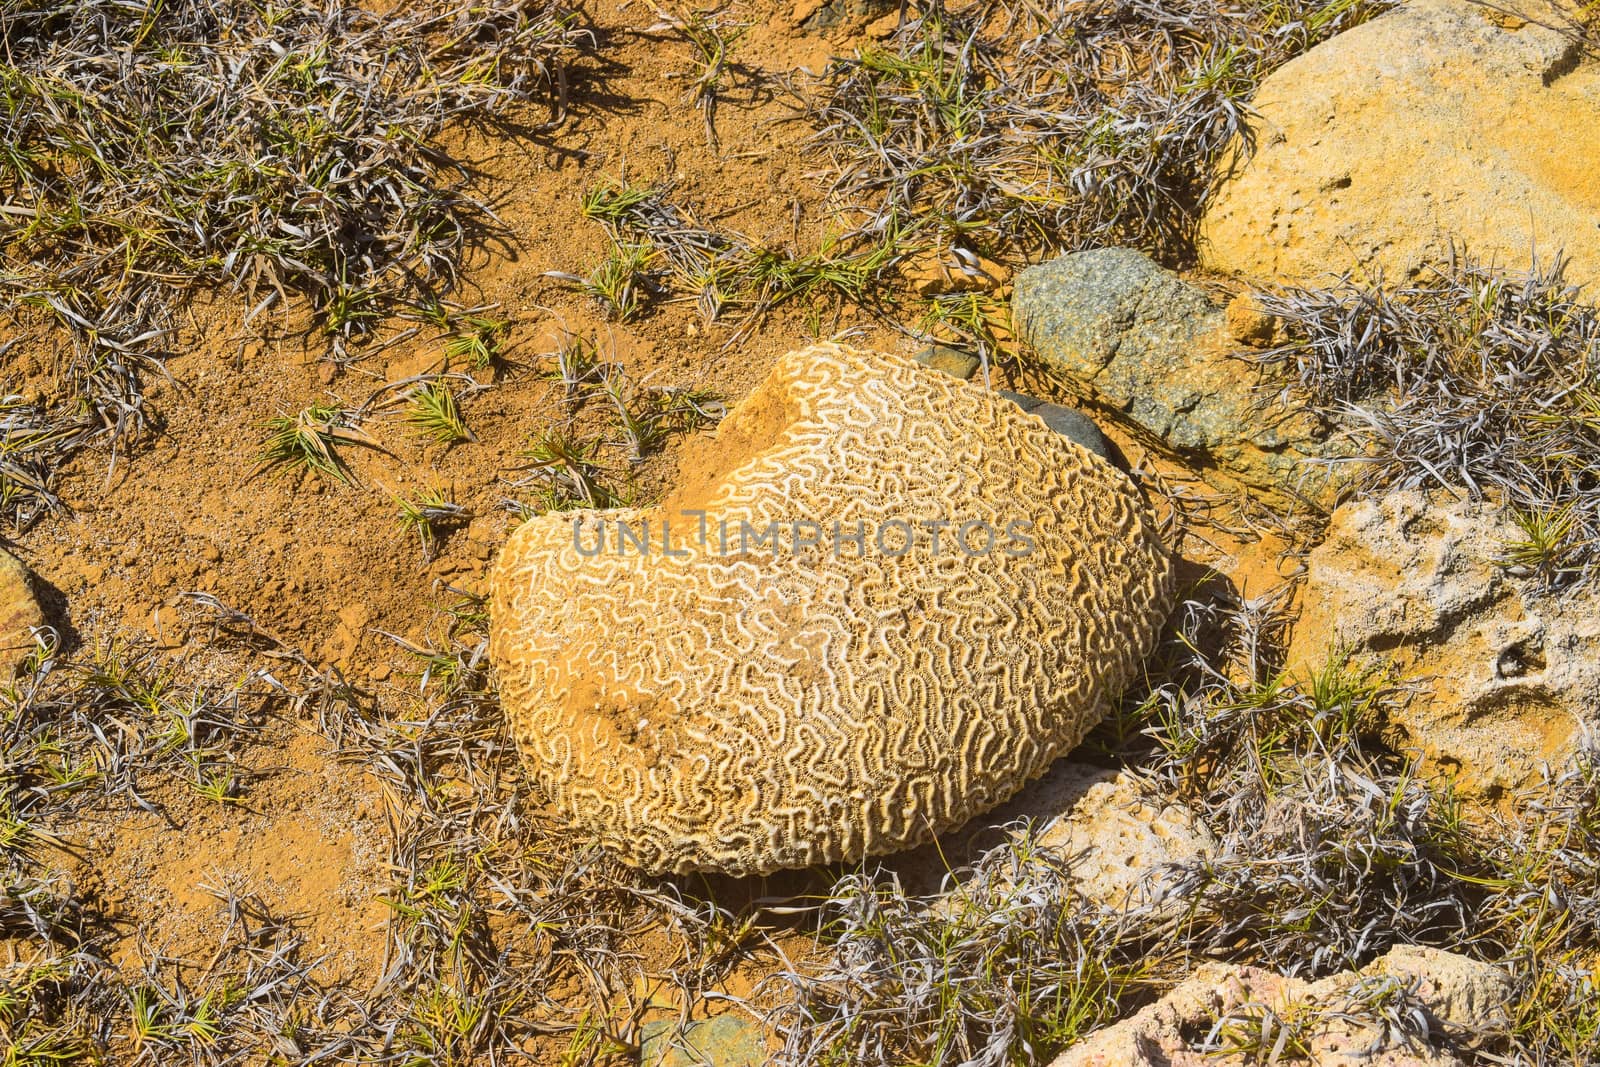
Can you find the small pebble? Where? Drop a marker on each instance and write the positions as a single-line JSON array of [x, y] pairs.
[[952, 361], [1247, 323]]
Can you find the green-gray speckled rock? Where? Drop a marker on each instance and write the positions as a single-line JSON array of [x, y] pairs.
[[1139, 341], [1069, 423], [724, 1041], [952, 361], [838, 12]]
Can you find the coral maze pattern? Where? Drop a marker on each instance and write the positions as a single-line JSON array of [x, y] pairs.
[[759, 710]]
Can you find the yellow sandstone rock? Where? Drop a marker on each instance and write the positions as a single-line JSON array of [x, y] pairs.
[[1437, 121], [19, 613]]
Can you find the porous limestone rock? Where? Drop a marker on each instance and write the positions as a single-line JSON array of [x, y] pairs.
[[1122, 843], [19, 614], [1507, 677], [1126, 844], [1438, 120], [1136, 340], [1445, 1001], [744, 708], [1463, 995]]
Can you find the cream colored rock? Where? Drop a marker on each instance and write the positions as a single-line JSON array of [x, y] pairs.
[[1508, 677], [742, 708], [19, 614], [1462, 994], [1439, 119], [1124, 843], [1210, 1019]]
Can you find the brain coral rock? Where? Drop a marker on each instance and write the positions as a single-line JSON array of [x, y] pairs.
[[744, 706]]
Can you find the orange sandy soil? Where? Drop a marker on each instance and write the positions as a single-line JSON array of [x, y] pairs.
[[325, 566]]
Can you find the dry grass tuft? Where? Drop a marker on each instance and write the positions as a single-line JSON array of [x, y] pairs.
[[1476, 379], [1017, 129], [279, 150]]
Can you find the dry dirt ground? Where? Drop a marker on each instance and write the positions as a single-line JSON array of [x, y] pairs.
[[326, 569]]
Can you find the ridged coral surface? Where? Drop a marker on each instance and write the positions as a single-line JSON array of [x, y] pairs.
[[743, 707]]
